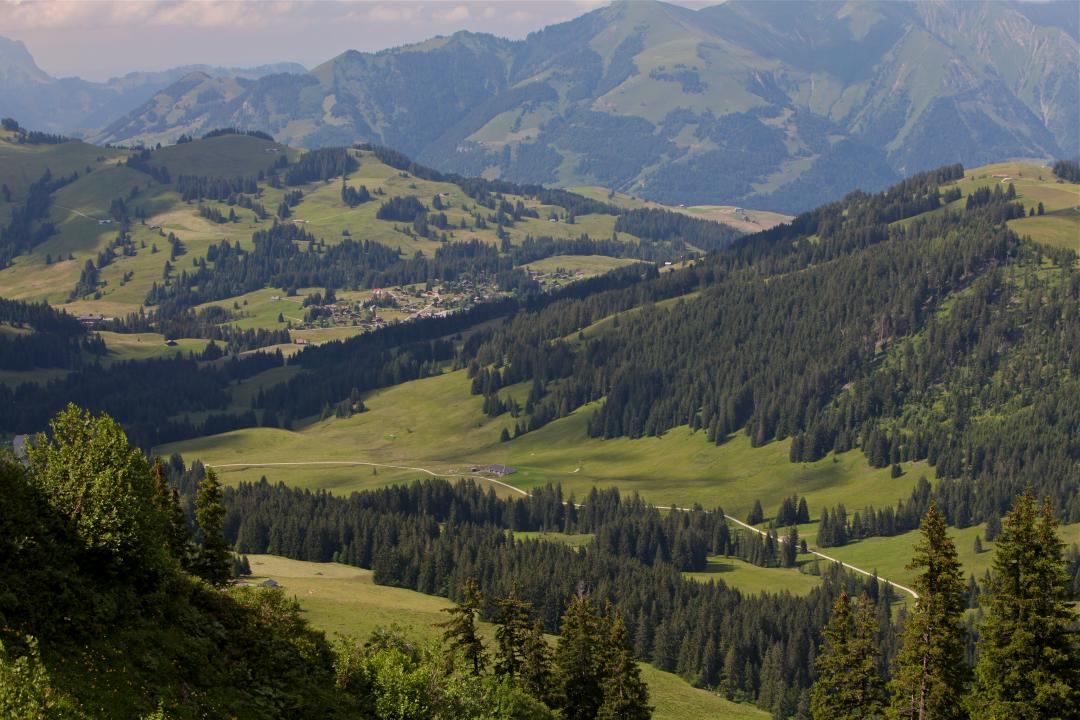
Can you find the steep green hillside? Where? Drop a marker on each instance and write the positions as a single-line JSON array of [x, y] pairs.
[[85, 228], [621, 419]]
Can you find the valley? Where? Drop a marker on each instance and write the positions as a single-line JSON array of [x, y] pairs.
[[311, 399]]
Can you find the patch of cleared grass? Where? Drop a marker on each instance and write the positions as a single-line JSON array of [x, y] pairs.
[[752, 579]]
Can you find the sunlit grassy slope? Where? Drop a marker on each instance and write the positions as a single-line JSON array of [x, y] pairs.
[[344, 600], [435, 423], [890, 556], [1060, 226], [52, 269], [752, 579]]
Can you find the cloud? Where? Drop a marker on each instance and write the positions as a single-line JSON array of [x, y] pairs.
[[66, 14], [456, 14], [392, 13]]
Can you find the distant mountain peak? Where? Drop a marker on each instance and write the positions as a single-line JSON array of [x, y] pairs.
[[17, 64]]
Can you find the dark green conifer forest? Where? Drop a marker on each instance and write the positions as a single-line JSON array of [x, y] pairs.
[[883, 324]]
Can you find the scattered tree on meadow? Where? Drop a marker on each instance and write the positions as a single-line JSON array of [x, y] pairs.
[[757, 515]]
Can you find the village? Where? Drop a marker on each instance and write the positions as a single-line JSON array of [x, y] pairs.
[[386, 306]]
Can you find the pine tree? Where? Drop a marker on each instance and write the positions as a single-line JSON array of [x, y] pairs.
[[577, 666], [514, 619], [848, 686], [536, 675], [460, 631], [626, 696], [790, 549], [214, 561], [1029, 662], [757, 515], [931, 670], [177, 533]]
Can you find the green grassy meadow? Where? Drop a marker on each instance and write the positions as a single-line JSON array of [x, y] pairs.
[[891, 555], [752, 579], [340, 599], [1060, 226], [435, 423], [78, 210]]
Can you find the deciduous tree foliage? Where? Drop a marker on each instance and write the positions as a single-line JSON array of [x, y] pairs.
[[103, 488]]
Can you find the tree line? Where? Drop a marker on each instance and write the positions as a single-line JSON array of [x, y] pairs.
[[433, 536]]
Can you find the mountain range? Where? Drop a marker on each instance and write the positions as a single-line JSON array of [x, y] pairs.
[[779, 105], [75, 106]]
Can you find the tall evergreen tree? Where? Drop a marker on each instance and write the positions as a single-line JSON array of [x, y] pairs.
[[536, 676], [1029, 662], [757, 514], [214, 561], [790, 550], [848, 685], [931, 668], [460, 630], [177, 532], [626, 696], [515, 623], [578, 665]]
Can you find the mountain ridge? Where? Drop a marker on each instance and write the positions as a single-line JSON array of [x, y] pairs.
[[775, 105]]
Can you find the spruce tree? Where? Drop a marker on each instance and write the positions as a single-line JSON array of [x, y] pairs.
[[460, 630], [515, 622], [1029, 662], [536, 676], [626, 696], [757, 515], [177, 532], [214, 561], [577, 663], [931, 670], [790, 550], [803, 514], [848, 685]]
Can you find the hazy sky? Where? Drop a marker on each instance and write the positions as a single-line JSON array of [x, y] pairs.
[[98, 39]]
